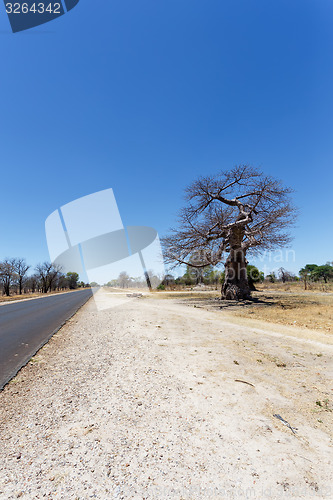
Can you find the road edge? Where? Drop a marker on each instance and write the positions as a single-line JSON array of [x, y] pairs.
[[26, 361]]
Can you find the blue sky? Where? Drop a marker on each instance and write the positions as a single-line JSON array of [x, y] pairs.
[[144, 96]]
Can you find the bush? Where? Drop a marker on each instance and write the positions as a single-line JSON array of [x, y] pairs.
[[253, 276]]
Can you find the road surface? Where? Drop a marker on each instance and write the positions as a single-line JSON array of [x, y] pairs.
[[27, 325]]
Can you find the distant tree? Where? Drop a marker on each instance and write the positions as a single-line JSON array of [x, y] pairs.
[[312, 271], [123, 279], [61, 282], [196, 274], [31, 284], [187, 279], [112, 283], [324, 272], [253, 276], [271, 277], [241, 211], [72, 279], [21, 268], [167, 281], [285, 275], [208, 274], [137, 281], [47, 274], [307, 273], [7, 275], [212, 276], [304, 275]]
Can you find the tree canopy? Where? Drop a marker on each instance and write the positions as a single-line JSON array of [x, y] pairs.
[[313, 272]]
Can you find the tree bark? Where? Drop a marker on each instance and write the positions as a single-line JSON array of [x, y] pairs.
[[236, 285]]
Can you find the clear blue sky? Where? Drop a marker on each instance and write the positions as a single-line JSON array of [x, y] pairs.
[[145, 95]]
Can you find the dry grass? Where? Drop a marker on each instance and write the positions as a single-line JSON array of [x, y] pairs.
[[311, 310], [287, 304], [297, 287], [186, 294], [25, 296], [3, 298]]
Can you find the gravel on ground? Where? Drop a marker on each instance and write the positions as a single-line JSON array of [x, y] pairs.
[[151, 399]]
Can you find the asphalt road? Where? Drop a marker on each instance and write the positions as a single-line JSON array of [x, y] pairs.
[[25, 326]]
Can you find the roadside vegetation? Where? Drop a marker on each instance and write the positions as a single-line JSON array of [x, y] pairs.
[[292, 306], [16, 281], [279, 297]]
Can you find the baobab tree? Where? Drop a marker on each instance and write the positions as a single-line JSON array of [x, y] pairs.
[[285, 275], [21, 268], [7, 275], [47, 274], [238, 213]]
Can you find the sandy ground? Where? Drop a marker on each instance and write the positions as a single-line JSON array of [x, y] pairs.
[[144, 400]]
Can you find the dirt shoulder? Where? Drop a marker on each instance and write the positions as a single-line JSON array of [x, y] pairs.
[[155, 399]]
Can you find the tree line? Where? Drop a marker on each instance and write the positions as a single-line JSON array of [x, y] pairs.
[[210, 276], [46, 277], [311, 273], [124, 280]]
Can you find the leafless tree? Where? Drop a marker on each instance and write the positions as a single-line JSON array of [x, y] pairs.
[[31, 284], [285, 275], [7, 275], [47, 273], [238, 212], [20, 268], [124, 279]]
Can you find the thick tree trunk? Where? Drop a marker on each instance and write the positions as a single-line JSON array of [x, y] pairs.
[[236, 285]]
